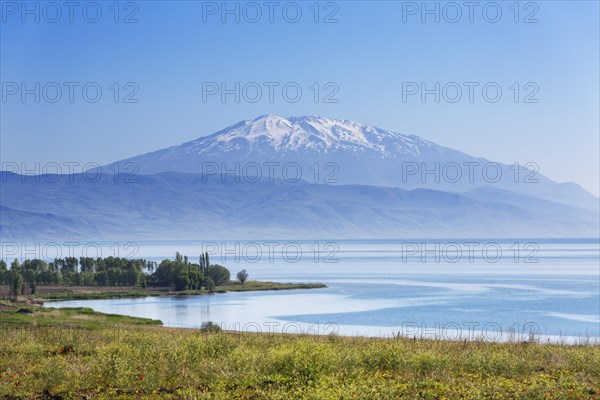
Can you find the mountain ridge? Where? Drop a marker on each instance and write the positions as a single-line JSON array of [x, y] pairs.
[[173, 194], [360, 153], [184, 206]]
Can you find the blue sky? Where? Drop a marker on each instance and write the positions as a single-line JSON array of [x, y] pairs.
[[371, 52]]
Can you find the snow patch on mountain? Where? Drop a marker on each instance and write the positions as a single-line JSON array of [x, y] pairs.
[[271, 134]]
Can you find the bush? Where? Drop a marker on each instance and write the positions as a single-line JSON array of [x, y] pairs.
[[65, 349], [210, 327]]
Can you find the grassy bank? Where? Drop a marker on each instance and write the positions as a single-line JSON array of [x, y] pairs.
[[115, 292], [78, 353]]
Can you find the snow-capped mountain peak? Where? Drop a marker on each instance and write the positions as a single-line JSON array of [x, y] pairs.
[[340, 151], [269, 134]]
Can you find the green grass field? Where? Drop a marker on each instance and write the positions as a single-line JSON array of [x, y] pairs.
[[79, 353]]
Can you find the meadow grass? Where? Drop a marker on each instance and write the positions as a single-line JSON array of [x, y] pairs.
[[79, 353]]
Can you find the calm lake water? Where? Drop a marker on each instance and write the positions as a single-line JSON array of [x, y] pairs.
[[492, 289]]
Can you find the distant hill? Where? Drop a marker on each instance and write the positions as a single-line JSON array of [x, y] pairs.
[[181, 206]]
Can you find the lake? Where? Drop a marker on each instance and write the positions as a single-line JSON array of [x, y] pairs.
[[459, 289]]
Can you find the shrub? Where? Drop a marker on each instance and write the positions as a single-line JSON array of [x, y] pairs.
[[68, 348], [210, 327]]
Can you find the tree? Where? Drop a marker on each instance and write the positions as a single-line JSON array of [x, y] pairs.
[[70, 265], [112, 276], [28, 276], [34, 265], [4, 274], [16, 286], [182, 281], [242, 276], [86, 264], [196, 278], [115, 271], [219, 274], [59, 264], [204, 264], [133, 277], [15, 265], [164, 274], [101, 278], [209, 284]]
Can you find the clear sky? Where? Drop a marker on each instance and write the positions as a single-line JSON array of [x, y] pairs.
[[178, 50]]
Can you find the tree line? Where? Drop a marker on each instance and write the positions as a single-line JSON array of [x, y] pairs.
[[180, 274]]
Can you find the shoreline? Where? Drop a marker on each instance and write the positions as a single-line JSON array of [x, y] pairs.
[[57, 293], [296, 328], [76, 314], [65, 293]]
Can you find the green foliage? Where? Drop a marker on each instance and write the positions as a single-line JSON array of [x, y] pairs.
[[219, 274], [196, 279], [164, 274], [115, 271], [182, 281], [209, 284], [15, 265], [210, 327], [17, 284], [101, 278]]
